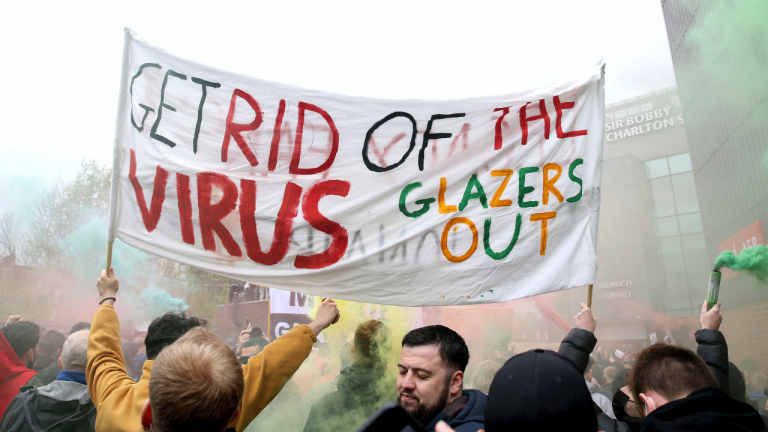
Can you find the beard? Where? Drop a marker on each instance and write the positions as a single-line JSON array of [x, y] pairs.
[[425, 413]]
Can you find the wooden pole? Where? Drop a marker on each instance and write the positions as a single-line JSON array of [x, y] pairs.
[[589, 296], [109, 255]]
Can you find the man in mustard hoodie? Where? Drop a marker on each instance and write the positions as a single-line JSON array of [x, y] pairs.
[[119, 400]]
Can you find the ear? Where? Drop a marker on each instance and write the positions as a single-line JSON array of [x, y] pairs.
[[60, 366], [237, 413], [146, 415], [457, 382], [647, 405], [29, 355]]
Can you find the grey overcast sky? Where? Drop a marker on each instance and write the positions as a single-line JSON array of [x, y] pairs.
[[61, 59]]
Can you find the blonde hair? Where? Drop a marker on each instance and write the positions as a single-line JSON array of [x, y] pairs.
[[610, 373], [196, 384], [483, 375]]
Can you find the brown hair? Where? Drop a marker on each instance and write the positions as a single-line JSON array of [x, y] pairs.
[[670, 370], [371, 338], [483, 375], [50, 342], [196, 384]]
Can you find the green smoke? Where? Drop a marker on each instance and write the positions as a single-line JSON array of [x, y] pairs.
[[752, 260], [160, 302], [87, 252]]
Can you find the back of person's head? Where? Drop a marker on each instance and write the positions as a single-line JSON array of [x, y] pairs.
[[167, 329], [51, 342], [759, 381], [23, 336], [610, 373], [539, 390], [75, 350], [80, 326], [620, 381], [483, 375], [370, 343], [453, 349], [196, 384], [256, 332], [672, 371]]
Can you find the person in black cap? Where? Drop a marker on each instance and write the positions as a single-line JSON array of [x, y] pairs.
[[546, 390], [539, 390]]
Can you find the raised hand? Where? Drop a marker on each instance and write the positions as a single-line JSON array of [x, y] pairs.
[[585, 320]]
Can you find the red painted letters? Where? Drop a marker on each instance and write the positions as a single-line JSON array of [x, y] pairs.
[[185, 208], [236, 129], [150, 216], [319, 222], [283, 227], [559, 107], [524, 120], [294, 168], [212, 214]]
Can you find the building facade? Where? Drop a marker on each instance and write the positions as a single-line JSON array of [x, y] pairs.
[[652, 255], [720, 54]]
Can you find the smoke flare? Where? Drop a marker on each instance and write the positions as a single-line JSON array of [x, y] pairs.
[[752, 260]]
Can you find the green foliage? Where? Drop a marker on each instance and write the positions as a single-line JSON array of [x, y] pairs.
[[61, 210]]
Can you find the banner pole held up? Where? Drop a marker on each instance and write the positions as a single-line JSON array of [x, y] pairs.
[[122, 111], [109, 255], [589, 296]]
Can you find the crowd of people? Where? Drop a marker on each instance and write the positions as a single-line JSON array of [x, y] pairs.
[[183, 377]]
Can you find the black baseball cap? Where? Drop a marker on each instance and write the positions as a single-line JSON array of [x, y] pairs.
[[539, 390]]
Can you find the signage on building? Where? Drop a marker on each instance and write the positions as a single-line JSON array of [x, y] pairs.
[[643, 123], [615, 289], [750, 236]]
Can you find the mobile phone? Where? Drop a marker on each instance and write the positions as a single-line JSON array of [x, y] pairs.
[[391, 417]]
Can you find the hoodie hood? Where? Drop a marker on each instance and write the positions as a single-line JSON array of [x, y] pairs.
[[13, 374], [706, 409], [539, 390], [363, 381]]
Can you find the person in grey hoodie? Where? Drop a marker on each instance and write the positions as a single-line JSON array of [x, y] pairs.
[[598, 397], [64, 404]]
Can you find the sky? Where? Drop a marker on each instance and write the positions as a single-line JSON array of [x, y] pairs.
[[61, 60]]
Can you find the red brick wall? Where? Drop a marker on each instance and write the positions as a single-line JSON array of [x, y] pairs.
[[746, 331]]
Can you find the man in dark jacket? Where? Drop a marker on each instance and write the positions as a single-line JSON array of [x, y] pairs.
[[677, 390], [49, 350], [361, 388], [431, 379], [64, 404], [49, 374]]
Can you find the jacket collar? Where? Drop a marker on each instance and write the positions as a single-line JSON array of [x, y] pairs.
[[70, 375]]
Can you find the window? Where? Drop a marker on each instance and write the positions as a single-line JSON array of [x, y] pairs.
[[656, 168], [663, 197], [680, 163], [678, 230]]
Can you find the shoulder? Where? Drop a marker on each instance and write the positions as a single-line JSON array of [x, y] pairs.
[[35, 381]]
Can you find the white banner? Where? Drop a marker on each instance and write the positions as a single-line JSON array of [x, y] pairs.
[[404, 202]]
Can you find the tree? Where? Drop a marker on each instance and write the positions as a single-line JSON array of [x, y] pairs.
[[62, 209], [11, 236]]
